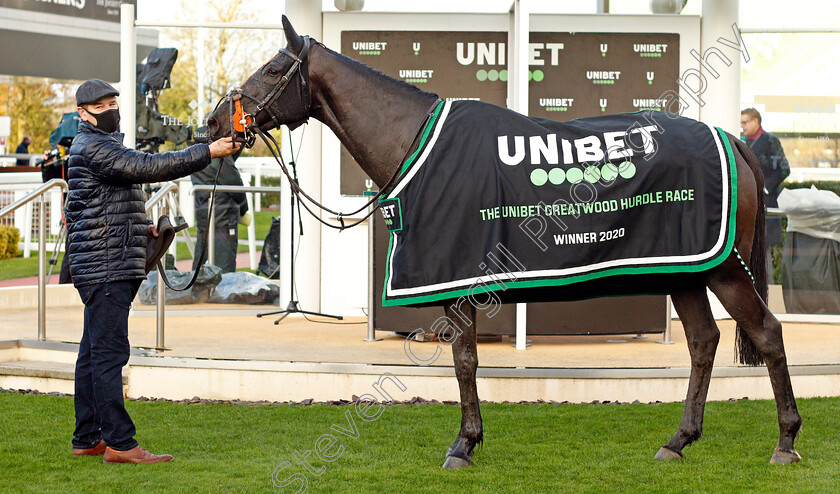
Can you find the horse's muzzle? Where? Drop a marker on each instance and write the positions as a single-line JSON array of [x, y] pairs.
[[213, 128]]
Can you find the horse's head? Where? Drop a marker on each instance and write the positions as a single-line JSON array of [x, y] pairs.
[[276, 94]]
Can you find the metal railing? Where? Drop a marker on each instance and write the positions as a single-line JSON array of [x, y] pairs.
[[154, 206], [39, 193], [24, 219], [20, 156]]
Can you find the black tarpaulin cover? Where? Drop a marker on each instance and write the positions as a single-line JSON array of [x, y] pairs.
[[495, 201]]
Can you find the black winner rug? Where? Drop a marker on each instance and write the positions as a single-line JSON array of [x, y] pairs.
[[533, 209]]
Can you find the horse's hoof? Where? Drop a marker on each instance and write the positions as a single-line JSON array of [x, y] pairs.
[[784, 457], [453, 462], [665, 454]]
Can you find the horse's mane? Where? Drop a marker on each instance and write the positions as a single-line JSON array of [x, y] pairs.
[[408, 88]]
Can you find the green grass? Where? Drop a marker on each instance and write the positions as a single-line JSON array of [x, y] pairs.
[[528, 448], [20, 267]]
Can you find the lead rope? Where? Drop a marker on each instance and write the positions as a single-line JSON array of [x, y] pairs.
[[270, 142], [274, 147], [203, 254]]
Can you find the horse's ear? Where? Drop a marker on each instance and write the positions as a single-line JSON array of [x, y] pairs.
[[294, 39]]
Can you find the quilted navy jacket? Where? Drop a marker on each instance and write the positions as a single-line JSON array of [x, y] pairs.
[[106, 215]]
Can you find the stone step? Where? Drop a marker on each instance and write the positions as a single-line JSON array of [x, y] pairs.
[[26, 297], [41, 369]]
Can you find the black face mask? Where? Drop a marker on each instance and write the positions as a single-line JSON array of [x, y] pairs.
[[108, 121]]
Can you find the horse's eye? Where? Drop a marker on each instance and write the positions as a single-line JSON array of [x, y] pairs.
[[273, 72]]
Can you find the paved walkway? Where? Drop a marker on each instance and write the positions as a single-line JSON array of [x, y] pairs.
[[28, 281], [219, 333]]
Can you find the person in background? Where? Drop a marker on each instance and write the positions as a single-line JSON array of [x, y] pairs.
[[775, 167], [108, 231], [231, 209], [23, 148]]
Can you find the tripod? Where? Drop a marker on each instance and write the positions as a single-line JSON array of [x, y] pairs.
[[294, 305]]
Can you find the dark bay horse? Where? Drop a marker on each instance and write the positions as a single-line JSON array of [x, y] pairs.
[[377, 118]]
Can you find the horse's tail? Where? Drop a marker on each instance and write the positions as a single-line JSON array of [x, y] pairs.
[[745, 350]]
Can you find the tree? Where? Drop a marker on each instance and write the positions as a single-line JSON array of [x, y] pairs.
[[224, 57], [32, 108]]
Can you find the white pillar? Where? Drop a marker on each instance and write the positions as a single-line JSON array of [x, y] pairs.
[[518, 38], [128, 74], [306, 18], [721, 98], [252, 234], [27, 233], [201, 72]]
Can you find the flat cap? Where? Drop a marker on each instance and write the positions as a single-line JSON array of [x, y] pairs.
[[93, 90]]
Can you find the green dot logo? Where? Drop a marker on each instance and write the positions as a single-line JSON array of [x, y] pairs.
[[556, 176], [650, 82], [539, 177], [603, 109], [538, 75], [603, 54], [481, 75], [609, 172], [627, 169], [592, 174], [503, 75], [493, 75], [530, 76], [574, 175]]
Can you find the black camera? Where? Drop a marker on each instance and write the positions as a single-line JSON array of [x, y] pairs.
[[50, 158], [154, 128]]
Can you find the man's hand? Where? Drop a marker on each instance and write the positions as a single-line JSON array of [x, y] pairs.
[[223, 148], [153, 231]]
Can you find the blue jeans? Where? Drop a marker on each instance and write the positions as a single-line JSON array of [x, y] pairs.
[[103, 351]]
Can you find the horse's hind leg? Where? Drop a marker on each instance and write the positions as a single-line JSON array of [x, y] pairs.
[[731, 283], [465, 353], [702, 336]]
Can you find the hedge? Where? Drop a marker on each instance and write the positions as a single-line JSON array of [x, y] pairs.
[[9, 238]]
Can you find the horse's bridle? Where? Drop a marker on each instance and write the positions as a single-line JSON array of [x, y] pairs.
[[245, 125]]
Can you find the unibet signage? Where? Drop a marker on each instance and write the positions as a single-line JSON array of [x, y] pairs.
[[552, 150], [571, 75]]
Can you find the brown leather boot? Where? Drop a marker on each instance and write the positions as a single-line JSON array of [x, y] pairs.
[[134, 455], [94, 451]]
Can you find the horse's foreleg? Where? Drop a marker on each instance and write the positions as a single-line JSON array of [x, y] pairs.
[[732, 286], [465, 354], [702, 336]]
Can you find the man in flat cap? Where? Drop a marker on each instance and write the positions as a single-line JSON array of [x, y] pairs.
[[108, 230]]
